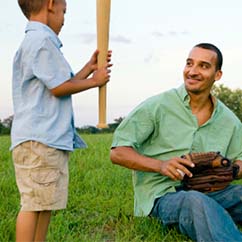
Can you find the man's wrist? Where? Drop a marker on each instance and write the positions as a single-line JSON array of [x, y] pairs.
[[236, 171]]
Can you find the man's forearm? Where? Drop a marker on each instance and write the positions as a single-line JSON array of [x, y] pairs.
[[129, 158]]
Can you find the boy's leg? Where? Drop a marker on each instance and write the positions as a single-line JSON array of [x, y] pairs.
[[26, 226], [32, 226], [42, 225], [42, 179]]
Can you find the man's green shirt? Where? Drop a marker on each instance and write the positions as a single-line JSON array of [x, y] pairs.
[[163, 127]]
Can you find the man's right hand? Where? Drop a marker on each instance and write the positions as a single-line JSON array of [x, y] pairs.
[[175, 168]]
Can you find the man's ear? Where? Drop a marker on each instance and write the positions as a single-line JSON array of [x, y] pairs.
[[218, 75]]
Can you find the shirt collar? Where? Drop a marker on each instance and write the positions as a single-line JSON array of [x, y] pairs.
[[182, 92], [38, 26]]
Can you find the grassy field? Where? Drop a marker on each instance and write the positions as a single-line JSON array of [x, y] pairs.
[[100, 206]]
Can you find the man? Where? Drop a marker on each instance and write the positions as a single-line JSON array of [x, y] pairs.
[[152, 139]]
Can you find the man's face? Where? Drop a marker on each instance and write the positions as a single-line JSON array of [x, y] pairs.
[[56, 17], [200, 70]]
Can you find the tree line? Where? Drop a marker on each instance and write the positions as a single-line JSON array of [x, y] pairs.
[[230, 97], [6, 124]]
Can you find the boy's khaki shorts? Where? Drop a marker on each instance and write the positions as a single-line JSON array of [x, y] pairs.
[[41, 175]]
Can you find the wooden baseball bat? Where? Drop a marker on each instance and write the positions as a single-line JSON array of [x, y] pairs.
[[103, 18]]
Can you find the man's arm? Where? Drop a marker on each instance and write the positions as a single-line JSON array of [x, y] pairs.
[[129, 158]]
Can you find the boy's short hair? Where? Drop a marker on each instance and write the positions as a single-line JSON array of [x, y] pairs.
[[30, 6]]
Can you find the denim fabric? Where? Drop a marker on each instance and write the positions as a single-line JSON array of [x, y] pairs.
[[203, 217]]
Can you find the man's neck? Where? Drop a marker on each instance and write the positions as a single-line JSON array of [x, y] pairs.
[[202, 107], [199, 101]]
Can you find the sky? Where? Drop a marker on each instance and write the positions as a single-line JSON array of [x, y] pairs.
[[150, 41]]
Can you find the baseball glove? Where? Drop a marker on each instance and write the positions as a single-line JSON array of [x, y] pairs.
[[212, 172]]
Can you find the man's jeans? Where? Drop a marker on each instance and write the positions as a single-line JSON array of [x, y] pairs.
[[203, 217]]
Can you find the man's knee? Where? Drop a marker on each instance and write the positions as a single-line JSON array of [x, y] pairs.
[[194, 205], [194, 198], [237, 189]]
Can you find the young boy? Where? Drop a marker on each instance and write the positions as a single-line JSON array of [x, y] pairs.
[[43, 130]]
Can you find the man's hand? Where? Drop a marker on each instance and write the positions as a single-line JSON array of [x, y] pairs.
[[175, 167], [212, 172]]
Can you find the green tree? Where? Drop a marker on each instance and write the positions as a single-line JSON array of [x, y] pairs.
[[231, 98], [88, 129], [3, 129], [7, 122]]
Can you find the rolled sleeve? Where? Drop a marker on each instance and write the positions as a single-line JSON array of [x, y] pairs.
[[135, 129]]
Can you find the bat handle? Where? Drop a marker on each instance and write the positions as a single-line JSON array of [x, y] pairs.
[[102, 107]]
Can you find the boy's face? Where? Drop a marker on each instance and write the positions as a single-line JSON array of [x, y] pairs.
[[56, 16]]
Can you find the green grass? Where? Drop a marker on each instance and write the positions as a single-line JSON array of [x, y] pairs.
[[100, 206]]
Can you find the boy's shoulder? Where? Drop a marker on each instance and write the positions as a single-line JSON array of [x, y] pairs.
[[39, 35], [37, 31]]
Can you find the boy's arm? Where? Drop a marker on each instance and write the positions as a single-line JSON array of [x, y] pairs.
[[75, 85], [84, 72], [80, 82]]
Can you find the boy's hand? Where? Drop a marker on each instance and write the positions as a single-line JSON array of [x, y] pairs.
[[93, 61], [102, 76]]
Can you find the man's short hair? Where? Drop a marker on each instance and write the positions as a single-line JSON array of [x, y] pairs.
[[212, 47]]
